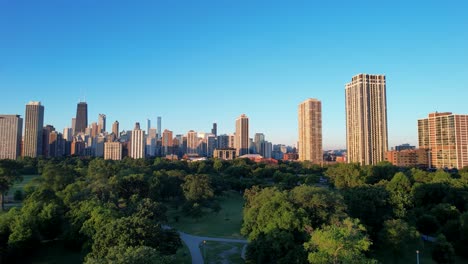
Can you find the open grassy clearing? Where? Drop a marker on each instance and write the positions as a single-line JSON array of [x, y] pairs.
[[226, 223]]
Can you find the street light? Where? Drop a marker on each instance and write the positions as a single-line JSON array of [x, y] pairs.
[[204, 251], [417, 256]]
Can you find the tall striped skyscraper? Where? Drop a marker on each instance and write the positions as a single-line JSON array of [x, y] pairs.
[[11, 127], [137, 143], [310, 131], [33, 125], [366, 119], [242, 135]]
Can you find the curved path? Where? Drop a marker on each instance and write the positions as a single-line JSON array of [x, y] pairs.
[[194, 244]]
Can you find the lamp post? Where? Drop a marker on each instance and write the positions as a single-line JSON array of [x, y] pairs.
[[417, 256], [204, 251]]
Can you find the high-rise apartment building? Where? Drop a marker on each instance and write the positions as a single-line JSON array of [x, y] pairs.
[[101, 123], [310, 131], [192, 142], [115, 128], [167, 142], [33, 125], [445, 135], [11, 127], [366, 119], [242, 135], [137, 143], [81, 118], [112, 150]]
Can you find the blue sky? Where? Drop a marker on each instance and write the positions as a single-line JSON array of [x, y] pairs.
[[198, 62]]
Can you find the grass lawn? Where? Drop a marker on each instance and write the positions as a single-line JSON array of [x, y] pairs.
[[20, 185], [226, 223], [183, 255], [221, 252]]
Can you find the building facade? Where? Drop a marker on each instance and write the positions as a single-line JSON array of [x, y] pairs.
[[101, 123], [11, 127], [112, 150], [241, 140], [408, 157], [225, 153], [366, 119], [192, 142], [81, 122], [115, 128], [167, 143], [137, 143], [310, 131], [33, 133], [445, 135]]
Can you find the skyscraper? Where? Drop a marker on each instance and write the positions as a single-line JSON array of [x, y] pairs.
[[73, 126], [310, 131], [167, 142], [366, 119], [34, 120], [192, 142], [101, 123], [223, 141], [445, 135], [214, 130], [11, 127], [115, 128], [258, 139], [81, 118], [148, 125], [159, 128], [242, 135], [137, 143]]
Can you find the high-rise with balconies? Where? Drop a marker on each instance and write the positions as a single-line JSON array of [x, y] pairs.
[[310, 131], [366, 119], [33, 125]]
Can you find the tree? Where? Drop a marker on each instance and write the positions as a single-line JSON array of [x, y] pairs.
[[346, 175], [443, 252], [197, 188], [9, 174], [322, 206], [130, 255], [345, 242], [371, 204], [278, 246], [427, 224], [268, 210], [397, 235], [384, 170], [400, 194]]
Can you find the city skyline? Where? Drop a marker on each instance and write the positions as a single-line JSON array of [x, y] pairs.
[[269, 58]]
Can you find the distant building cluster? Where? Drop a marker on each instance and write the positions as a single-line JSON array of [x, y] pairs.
[[443, 137]]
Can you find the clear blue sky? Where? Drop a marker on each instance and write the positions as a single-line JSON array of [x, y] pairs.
[[196, 62]]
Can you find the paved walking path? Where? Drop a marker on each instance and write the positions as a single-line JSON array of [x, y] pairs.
[[194, 243]]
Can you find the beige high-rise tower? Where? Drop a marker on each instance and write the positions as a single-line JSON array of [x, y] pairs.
[[242, 135], [366, 119], [310, 131], [33, 124], [137, 143]]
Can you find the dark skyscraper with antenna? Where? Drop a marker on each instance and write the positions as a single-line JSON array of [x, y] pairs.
[[81, 118]]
